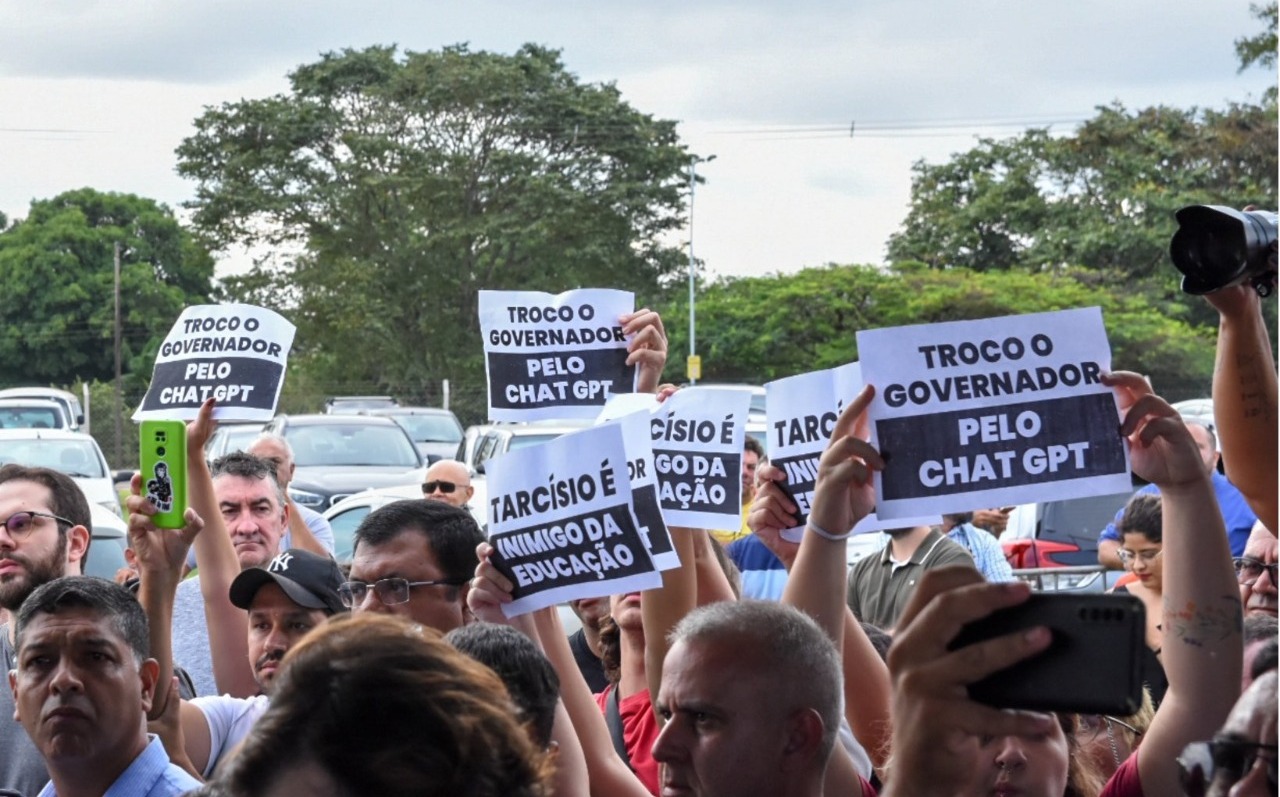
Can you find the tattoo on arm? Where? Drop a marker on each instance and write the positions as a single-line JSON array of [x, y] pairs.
[[1203, 625]]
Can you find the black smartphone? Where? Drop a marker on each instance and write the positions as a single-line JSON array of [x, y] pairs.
[[1093, 665]]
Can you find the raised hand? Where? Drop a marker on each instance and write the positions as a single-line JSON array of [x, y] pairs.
[[1161, 449], [648, 347], [844, 493], [159, 551], [489, 589]]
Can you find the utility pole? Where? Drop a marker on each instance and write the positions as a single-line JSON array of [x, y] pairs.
[[693, 366], [119, 425]]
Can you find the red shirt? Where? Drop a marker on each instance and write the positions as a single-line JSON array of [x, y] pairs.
[[1125, 782], [639, 732]]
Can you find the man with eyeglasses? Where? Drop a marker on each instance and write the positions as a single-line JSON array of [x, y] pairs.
[[414, 558], [1256, 571], [448, 480], [1240, 760], [44, 535]]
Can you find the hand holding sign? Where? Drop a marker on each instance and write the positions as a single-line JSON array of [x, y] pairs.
[[844, 493], [647, 349], [1161, 448], [489, 589]]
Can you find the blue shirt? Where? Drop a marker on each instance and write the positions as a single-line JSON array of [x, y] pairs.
[[1236, 514], [985, 549], [150, 775], [763, 574]]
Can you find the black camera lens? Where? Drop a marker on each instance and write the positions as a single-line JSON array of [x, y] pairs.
[[160, 451], [1216, 247]]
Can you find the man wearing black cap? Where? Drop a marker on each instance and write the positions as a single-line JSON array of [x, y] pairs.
[[294, 593]]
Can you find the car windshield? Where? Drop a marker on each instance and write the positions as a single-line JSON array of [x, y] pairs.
[[78, 458], [430, 428], [30, 417], [526, 440], [351, 444], [239, 439]]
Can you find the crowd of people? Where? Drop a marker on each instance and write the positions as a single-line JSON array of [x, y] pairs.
[[763, 667]]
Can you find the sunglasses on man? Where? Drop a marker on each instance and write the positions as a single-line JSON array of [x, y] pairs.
[[445, 487]]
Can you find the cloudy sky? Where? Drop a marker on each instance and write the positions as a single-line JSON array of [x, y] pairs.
[[97, 93]]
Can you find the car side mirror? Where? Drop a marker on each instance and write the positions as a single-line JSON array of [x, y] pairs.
[[480, 468]]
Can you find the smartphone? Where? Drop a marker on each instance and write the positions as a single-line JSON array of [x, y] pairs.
[[162, 455], [1093, 665]]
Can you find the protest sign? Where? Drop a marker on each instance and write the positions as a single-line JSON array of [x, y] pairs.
[[801, 412], [549, 357], [993, 412], [561, 524], [633, 417], [235, 353], [698, 435]]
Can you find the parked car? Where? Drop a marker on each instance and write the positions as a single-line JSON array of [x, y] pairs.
[[346, 515], [337, 455], [73, 453], [19, 413], [471, 439], [1058, 534], [109, 539], [341, 405], [507, 437], [68, 400], [230, 436], [436, 432]]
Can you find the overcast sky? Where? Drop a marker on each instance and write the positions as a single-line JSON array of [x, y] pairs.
[[97, 93]]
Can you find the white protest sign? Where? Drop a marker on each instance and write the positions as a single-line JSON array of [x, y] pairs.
[[235, 353], [698, 434], [561, 524], [993, 412], [644, 477], [801, 412], [554, 357]]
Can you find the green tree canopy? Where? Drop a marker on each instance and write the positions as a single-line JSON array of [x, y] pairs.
[[58, 272], [1102, 198], [407, 182], [1260, 48], [762, 328]]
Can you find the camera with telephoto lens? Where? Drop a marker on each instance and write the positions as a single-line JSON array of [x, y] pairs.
[[1216, 247]]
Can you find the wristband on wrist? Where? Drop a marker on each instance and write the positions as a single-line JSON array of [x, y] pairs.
[[821, 532]]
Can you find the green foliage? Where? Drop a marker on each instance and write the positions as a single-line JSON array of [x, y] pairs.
[[57, 269], [1102, 198], [762, 328], [1260, 48], [408, 182]]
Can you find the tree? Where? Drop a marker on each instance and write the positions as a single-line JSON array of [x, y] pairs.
[[406, 183], [1260, 48], [58, 272], [762, 328], [1102, 198]]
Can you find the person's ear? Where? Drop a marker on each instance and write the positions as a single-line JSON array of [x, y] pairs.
[[148, 674], [13, 687], [804, 730], [470, 491], [77, 545]]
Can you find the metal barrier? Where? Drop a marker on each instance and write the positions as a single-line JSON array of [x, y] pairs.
[[1081, 578]]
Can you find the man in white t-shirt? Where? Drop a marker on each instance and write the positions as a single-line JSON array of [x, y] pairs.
[[296, 592]]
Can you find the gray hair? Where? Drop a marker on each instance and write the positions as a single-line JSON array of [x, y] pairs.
[[247, 466], [789, 647], [272, 437]]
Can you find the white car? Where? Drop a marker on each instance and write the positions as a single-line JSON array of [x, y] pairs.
[[16, 413], [348, 513], [67, 400], [73, 453]]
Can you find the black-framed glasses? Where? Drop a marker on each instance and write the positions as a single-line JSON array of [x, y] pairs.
[[21, 524], [1201, 762], [1249, 570], [390, 591], [445, 487]]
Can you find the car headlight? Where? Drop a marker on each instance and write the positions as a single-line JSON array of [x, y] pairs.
[[114, 507], [304, 498]]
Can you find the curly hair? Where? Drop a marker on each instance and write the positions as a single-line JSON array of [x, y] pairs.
[[387, 707]]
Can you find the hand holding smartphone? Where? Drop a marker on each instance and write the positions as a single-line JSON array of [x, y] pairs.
[[163, 459], [1093, 665]]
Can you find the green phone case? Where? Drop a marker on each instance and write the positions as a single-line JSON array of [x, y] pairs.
[[163, 459]]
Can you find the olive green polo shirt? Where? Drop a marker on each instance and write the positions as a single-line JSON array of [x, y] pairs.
[[879, 589]]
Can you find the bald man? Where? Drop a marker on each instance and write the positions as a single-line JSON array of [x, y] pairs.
[[448, 480]]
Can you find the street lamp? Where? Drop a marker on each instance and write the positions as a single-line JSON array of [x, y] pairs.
[[693, 366]]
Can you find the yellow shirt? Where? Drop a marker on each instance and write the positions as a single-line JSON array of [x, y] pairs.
[[726, 537]]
